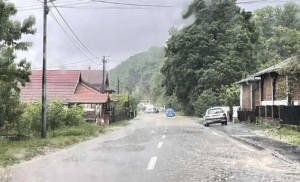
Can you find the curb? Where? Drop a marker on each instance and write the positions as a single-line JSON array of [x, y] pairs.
[[248, 143], [259, 147]]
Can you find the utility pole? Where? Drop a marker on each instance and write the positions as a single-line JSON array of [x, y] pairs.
[[118, 85], [103, 76], [44, 78]]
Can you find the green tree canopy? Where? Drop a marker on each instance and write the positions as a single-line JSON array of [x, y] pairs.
[[12, 74], [218, 49]]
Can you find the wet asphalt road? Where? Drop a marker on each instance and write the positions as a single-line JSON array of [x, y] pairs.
[[156, 148]]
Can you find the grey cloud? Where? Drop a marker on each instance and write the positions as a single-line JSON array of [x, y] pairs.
[[119, 33]]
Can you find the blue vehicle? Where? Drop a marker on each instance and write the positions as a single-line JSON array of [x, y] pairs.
[[170, 112]]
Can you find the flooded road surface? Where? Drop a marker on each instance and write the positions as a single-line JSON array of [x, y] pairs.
[[156, 148]]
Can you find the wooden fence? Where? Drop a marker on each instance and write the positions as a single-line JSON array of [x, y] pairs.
[[124, 115], [287, 114], [246, 115]]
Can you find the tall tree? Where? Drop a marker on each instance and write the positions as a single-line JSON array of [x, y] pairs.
[[218, 49], [12, 74]]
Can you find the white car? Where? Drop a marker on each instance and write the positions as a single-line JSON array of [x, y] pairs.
[[215, 115], [149, 110]]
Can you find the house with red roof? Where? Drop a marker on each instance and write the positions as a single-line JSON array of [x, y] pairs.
[[67, 85], [94, 78]]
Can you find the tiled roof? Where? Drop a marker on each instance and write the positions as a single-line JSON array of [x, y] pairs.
[[95, 79], [85, 94], [60, 84]]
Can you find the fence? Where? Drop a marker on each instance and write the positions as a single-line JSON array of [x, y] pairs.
[[246, 115], [124, 115], [288, 114]]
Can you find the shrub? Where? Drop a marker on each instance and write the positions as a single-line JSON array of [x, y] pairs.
[[75, 115], [31, 119], [56, 114]]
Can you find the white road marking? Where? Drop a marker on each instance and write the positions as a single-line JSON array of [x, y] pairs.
[[151, 164], [165, 131], [164, 136], [216, 133], [152, 131], [166, 128], [159, 145]]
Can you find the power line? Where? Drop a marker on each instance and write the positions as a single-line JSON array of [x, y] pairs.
[[73, 32], [71, 5], [69, 64], [77, 46], [133, 4]]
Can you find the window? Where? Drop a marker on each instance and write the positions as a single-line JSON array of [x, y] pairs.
[[215, 111]]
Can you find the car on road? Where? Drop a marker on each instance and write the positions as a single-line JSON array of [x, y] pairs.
[[155, 111], [149, 110], [214, 115], [170, 112], [161, 109]]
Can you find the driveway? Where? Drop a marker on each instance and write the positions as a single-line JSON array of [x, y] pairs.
[[156, 148]]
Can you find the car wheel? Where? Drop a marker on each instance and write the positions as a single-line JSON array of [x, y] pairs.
[[207, 124], [225, 123]]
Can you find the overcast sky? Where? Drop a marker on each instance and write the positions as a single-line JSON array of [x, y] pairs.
[[119, 33]]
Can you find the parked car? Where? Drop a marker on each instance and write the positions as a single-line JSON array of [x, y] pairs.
[[170, 112], [161, 109], [149, 110], [155, 111], [214, 115]]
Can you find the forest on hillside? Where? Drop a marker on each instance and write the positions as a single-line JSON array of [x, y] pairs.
[[201, 62]]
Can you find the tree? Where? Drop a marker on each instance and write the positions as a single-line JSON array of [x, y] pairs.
[[12, 74], [218, 49], [136, 71], [279, 28], [230, 95], [287, 87]]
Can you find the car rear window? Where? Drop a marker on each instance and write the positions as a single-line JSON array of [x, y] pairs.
[[170, 110], [215, 111]]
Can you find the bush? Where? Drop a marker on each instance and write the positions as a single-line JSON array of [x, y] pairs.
[[75, 115], [31, 119], [58, 116], [206, 100]]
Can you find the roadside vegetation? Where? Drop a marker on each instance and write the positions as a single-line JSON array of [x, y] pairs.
[[285, 133], [65, 126], [197, 68], [20, 123]]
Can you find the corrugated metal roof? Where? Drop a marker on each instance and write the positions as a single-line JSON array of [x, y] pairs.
[[249, 79], [273, 68], [85, 94], [63, 84]]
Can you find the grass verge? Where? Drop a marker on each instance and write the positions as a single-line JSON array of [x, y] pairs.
[[288, 133], [18, 151], [120, 123]]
